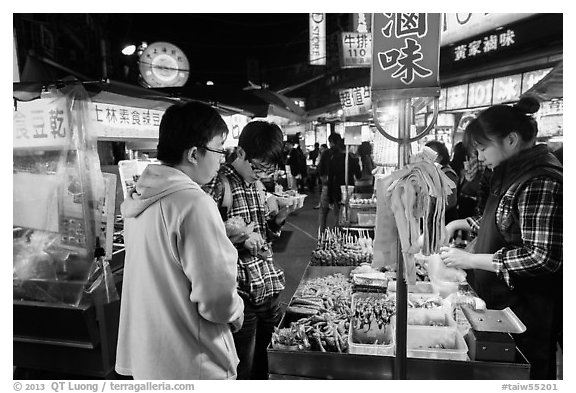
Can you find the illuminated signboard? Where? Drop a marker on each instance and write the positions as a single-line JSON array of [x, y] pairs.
[[41, 123], [442, 100], [116, 121], [317, 23], [356, 49], [507, 89], [459, 26], [456, 97], [480, 93], [529, 79], [362, 22], [356, 101], [487, 44], [405, 51]]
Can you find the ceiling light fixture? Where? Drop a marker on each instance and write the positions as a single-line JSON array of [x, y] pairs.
[[129, 50]]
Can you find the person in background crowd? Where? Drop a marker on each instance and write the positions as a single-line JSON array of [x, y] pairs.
[[179, 300], [443, 158], [365, 184], [260, 281], [323, 150], [314, 154], [312, 173], [332, 172], [517, 257], [297, 161]]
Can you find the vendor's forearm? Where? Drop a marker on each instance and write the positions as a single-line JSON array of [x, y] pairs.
[[483, 262]]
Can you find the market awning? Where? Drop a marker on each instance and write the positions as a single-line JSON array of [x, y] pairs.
[[551, 86]]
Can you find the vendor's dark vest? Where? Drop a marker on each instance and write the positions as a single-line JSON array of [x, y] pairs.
[[536, 300], [535, 163]]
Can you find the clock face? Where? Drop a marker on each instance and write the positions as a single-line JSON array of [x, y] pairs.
[[164, 65]]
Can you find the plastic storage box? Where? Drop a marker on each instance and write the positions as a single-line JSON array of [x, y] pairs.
[[430, 317], [425, 342]]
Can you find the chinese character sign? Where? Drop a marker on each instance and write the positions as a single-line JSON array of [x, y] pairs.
[[356, 101], [356, 49], [41, 123], [317, 23], [405, 51], [115, 121]]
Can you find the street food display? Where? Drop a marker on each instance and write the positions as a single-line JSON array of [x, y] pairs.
[[339, 248]]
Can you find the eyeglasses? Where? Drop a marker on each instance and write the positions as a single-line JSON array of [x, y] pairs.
[[265, 169], [223, 152]]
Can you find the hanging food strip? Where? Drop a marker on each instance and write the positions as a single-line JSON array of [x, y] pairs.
[[417, 195]]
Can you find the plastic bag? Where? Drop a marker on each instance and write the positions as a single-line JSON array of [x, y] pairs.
[[439, 272]]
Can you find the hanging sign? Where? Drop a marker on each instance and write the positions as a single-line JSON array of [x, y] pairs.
[[317, 23], [353, 135], [362, 22], [41, 123], [507, 89], [356, 49], [405, 52], [116, 121], [356, 101]]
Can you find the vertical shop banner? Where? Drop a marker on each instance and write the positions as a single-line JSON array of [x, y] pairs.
[[362, 22], [356, 101], [317, 23], [405, 51]]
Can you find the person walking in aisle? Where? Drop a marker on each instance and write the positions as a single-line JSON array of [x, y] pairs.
[[333, 174], [517, 257], [179, 302], [260, 281]]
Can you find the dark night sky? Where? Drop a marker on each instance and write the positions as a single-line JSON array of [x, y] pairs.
[[218, 45]]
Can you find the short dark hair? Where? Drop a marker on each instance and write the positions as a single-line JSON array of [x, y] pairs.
[[498, 121], [442, 151], [365, 149], [262, 140], [335, 139], [185, 125]]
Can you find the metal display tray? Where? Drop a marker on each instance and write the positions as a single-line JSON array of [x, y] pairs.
[[499, 321], [286, 364]]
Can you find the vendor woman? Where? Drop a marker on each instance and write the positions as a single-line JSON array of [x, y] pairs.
[[517, 257]]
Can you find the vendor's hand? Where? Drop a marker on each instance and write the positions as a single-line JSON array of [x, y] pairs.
[[240, 238], [272, 202], [456, 257], [237, 324], [254, 243]]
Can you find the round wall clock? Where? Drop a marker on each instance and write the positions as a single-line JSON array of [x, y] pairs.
[[163, 64]]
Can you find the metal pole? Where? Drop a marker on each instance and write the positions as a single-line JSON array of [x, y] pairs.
[[401, 289]]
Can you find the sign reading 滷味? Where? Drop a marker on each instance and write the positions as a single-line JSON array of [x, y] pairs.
[[317, 24], [405, 51], [356, 101]]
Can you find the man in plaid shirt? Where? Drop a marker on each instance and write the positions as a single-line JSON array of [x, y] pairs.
[[259, 280]]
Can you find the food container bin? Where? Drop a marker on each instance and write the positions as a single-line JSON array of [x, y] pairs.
[[425, 342], [366, 219], [431, 317], [444, 288], [358, 339]]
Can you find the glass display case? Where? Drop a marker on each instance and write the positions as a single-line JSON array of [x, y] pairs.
[[59, 210]]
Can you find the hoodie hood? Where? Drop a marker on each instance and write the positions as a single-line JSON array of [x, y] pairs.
[[156, 182]]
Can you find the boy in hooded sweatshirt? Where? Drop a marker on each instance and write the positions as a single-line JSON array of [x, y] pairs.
[[179, 299]]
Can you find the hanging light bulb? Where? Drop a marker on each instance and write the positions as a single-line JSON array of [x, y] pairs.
[[129, 50]]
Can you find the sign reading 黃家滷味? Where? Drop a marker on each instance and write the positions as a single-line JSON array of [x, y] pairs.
[[356, 101], [405, 51], [487, 44]]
